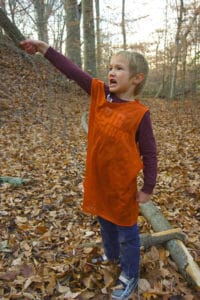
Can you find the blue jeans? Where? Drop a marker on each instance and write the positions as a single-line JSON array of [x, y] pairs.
[[122, 242]]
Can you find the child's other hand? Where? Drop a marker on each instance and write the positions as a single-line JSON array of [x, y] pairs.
[[142, 197]]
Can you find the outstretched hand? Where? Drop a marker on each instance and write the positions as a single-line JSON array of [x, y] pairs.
[[33, 46], [142, 197]]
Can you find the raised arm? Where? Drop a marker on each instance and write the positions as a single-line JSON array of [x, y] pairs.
[[62, 63], [69, 69]]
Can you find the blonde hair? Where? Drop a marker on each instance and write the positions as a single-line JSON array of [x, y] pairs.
[[137, 64]]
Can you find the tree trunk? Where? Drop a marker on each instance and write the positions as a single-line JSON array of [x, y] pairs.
[[185, 48], [124, 25], [98, 38], [89, 37], [160, 90], [195, 66], [3, 4], [164, 75], [73, 44], [10, 29], [179, 253], [176, 53], [42, 12]]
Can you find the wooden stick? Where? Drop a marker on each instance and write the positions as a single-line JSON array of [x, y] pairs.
[[147, 239], [178, 251]]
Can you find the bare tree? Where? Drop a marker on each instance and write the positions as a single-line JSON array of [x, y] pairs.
[[73, 44], [43, 10], [98, 38], [89, 37], [176, 51], [123, 24], [184, 41], [12, 5], [57, 28], [195, 63]]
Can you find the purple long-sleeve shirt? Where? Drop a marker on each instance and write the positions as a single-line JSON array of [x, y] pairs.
[[144, 136]]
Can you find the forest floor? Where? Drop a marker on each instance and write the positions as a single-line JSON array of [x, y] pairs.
[[45, 238]]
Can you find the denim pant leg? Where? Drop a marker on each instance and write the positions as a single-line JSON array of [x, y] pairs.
[[130, 250], [109, 233]]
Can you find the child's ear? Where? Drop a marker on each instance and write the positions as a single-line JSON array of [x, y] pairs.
[[138, 78]]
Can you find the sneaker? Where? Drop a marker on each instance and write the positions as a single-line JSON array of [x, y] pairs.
[[103, 259], [100, 259], [124, 288]]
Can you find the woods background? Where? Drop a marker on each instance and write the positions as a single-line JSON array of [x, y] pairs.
[[46, 242], [90, 31]]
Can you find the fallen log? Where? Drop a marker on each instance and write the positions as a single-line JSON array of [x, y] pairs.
[[178, 251], [150, 239]]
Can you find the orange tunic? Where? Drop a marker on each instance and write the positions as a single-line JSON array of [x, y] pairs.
[[113, 159]]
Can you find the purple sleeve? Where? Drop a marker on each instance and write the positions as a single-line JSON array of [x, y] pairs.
[[147, 146], [69, 69]]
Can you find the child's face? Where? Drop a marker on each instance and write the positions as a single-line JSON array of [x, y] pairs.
[[119, 80]]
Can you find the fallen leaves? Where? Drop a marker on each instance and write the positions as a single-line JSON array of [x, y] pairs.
[[45, 239]]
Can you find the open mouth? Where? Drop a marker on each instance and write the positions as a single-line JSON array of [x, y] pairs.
[[113, 82]]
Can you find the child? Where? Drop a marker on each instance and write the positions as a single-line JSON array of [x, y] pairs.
[[120, 133]]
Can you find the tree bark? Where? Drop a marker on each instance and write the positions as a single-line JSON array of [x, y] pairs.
[[98, 38], [89, 37], [73, 43], [123, 24], [10, 29], [42, 14], [185, 48], [176, 54]]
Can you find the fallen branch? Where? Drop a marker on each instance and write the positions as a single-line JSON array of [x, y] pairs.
[[150, 239], [178, 251], [13, 180], [147, 239]]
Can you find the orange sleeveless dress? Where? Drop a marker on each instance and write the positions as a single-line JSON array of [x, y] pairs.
[[113, 159]]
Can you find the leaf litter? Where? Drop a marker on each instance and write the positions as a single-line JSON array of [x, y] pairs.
[[46, 241]]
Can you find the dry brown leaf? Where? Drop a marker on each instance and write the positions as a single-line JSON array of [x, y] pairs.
[[144, 285]]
